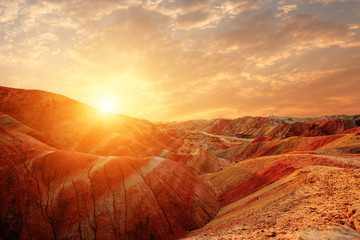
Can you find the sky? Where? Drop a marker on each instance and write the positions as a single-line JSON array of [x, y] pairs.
[[165, 60]]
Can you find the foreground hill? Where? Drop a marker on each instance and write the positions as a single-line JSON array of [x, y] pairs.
[[68, 171], [66, 121], [304, 191], [313, 202], [73, 126], [52, 194]]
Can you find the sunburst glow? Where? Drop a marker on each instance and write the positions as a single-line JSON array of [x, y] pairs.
[[170, 60], [106, 105]]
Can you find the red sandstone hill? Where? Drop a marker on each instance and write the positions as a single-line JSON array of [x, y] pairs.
[[253, 127], [267, 147], [52, 194], [287, 197], [11, 123], [69, 172], [63, 120], [74, 126]]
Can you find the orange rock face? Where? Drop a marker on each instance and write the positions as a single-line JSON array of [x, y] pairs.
[[253, 127], [70, 172], [70, 125], [48, 193]]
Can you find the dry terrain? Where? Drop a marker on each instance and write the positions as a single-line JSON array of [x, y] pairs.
[[68, 171]]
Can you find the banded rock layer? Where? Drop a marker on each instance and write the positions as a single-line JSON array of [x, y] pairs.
[[52, 194]]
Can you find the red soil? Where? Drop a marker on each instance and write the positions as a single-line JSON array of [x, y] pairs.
[[320, 143], [262, 139], [50, 193], [274, 172]]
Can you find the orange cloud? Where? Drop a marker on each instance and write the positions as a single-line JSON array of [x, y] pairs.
[[168, 60]]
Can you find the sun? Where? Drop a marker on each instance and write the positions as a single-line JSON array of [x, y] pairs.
[[106, 105]]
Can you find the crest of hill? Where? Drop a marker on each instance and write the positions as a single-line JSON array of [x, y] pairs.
[[272, 127], [70, 125], [54, 194], [63, 120]]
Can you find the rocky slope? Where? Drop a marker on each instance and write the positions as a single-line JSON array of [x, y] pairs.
[[303, 194], [66, 121], [11, 123], [273, 127], [315, 202], [263, 146], [68, 171], [52, 194], [73, 126]]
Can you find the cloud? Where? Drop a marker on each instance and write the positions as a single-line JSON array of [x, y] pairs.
[[266, 41], [285, 9], [186, 59], [323, 95], [198, 19], [84, 11], [125, 42], [326, 2], [187, 5], [235, 7], [9, 10]]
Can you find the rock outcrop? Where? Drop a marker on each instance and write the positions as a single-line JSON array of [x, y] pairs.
[[68, 171], [51, 194], [67, 124], [253, 127]]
